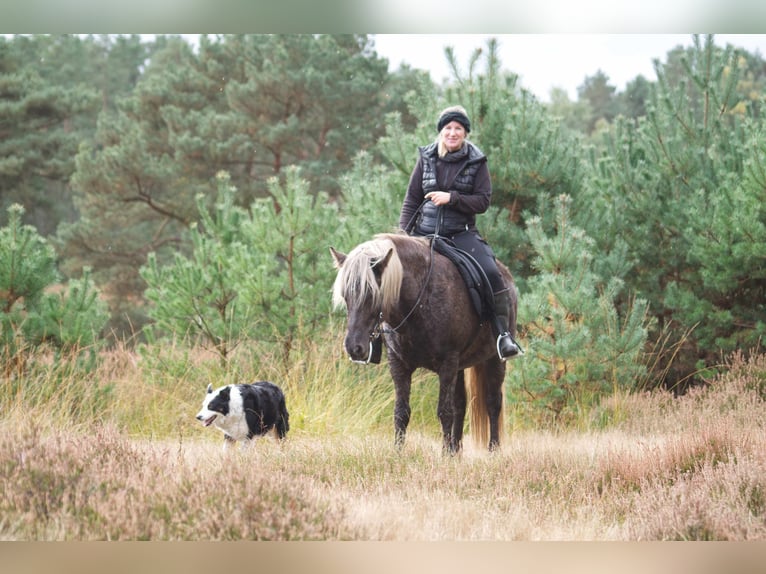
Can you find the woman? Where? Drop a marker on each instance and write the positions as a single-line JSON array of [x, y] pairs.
[[449, 185]]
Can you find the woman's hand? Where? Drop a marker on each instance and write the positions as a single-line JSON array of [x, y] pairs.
[[439, 197]]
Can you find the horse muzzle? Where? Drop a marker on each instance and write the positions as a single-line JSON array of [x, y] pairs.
[[372, 352]]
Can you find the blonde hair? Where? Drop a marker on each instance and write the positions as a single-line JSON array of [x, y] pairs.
[[441, 147], [356, 281]]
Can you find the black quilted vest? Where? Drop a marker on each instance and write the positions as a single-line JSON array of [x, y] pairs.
[[448, 221]]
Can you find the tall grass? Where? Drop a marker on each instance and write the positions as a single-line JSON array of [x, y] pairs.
[[154, 392], [115, 454]]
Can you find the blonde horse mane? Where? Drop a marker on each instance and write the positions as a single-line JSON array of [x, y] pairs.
[[356, 281]]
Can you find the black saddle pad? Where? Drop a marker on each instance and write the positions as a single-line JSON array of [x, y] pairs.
[[473, 275]]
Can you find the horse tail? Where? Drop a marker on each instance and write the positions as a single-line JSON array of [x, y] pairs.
[[475, 385]]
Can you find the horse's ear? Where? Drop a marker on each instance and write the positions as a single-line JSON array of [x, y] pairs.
[[338, 258], [380, 264], [209, 388]]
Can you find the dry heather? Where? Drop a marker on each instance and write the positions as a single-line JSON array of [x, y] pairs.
[[663, 468]]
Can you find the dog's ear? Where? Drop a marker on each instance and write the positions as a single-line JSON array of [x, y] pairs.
[[209, 388]]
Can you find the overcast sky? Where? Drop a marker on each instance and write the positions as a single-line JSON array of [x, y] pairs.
[[544, 61]]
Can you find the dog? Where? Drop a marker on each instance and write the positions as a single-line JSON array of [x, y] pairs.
[[244, 411]]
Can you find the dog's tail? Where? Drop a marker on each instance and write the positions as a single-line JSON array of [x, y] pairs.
[[283, 425]]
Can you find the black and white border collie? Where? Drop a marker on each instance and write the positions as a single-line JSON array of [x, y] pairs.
[[244, 411]]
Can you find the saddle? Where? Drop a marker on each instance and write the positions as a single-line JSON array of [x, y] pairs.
[[479, 289]]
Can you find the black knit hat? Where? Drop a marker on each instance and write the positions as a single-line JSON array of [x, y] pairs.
[[453, 116]]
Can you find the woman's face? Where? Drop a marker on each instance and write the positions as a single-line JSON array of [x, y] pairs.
[[453, 135]]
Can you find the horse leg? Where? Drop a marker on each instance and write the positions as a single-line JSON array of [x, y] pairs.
[[402, 385], [460, 407], [494, 376], [446, 408]]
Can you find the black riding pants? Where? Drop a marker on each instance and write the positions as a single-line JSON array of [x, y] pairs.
[[475, 245]]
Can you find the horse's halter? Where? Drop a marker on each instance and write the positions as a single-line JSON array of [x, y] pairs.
[[373, 356]]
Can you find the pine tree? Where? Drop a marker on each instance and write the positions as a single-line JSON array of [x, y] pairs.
[[71, 319], [664, 201], [290, 232], [132, 194], [728, 302], [43, 122], [573, 116], [249, 105], [51, 89], [261, 274], [28, 264], [30, 314], [632, 102], [371, 199], [196, 297], [580, 347], [601, 98], [306, 100]]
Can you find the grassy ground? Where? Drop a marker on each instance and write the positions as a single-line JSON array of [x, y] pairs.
[[117, 455]]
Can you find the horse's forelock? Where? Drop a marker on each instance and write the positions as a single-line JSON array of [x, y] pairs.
[[356, 282], [391, 280]]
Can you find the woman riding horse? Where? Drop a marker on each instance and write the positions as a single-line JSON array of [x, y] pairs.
[[449, 185], [395, 287]]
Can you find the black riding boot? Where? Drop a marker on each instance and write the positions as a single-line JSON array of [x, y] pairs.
[[506, 347]]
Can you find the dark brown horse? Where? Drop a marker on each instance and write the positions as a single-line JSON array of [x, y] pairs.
[[397, 287]]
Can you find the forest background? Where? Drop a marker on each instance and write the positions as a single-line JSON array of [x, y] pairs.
[[167, 211], [158, 192]]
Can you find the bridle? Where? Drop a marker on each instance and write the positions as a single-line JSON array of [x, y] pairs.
[[375, 342], [379, 328]]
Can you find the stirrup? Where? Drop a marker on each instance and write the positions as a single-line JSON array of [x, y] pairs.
[[514, 350]]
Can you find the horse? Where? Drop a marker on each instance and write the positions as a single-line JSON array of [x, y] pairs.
[[397, 287]]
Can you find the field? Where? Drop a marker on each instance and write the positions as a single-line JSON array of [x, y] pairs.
[[117, 455]]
